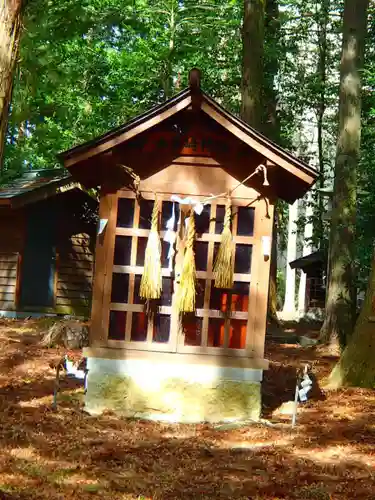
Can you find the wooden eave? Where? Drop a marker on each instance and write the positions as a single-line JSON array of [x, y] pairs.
[[44, 192], [41, 193], [318, 257], [258, 142], [297, 171], [127, 131]]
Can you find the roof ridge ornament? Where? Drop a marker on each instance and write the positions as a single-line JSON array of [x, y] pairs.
[[195, 88], [195, 79]]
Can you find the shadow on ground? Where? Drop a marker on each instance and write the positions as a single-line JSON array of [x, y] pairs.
[[69, 455]]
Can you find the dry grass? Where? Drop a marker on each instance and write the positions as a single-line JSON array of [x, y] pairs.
[[69, 455]]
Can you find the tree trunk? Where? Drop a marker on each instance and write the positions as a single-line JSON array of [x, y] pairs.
[[168, 77], [356, 366], [341, 297], [323, 19], [252, 64], [289, 309], [10, 24], [271, 125]]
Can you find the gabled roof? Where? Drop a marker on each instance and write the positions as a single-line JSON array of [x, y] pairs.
[[35, 185], [317, 257], [298, 177], [128, 130]]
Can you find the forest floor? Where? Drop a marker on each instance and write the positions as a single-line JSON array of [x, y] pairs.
[[67, 454]]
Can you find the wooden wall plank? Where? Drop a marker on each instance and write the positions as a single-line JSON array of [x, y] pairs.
[[8, 281], [195, 180], [75, 250], [9, 297], [7, 305], [77, 265], [8, 258], [67, 286], [71, 258], [73, 294], [82, 275], [8, 273], [8, 277], [8, 288], [61, 301]]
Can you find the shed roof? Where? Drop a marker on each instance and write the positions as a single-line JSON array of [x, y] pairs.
[[294, 178], [317, 257], [36, 184]]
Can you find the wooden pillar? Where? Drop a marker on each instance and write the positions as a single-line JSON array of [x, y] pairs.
[[260, 281], [103, 266]]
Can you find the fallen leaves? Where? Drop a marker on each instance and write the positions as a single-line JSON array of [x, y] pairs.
[[69, 455]]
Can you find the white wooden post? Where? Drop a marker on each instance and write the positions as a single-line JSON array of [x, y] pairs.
[[289, 309]]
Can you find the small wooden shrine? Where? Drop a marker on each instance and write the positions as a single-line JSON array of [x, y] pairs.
[[314, 265], [48, 231], [214, 178]]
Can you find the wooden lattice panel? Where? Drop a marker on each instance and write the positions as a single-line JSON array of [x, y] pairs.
[[221, 322]]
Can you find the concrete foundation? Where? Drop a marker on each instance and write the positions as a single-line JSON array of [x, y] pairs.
[[172, 392]]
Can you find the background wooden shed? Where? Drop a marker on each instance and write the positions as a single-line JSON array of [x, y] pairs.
[[48, 229], [157, 363], [315, 267]]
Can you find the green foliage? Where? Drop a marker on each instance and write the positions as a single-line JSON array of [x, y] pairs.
[[89, 66]]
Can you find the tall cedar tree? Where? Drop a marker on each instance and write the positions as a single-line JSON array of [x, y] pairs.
[[252, 64], [323, 20], [356, 366], [341, 296], [253, 80], [272, 125], [258, 74], [10, 28]]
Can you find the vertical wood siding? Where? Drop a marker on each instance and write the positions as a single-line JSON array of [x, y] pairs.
[[75, 255], [75, 272], [11, 241]]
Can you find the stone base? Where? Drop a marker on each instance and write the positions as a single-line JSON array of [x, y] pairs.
[[172, 392]]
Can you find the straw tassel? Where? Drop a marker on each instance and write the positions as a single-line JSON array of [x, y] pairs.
[[151, 279], [186, 292], [223, 267]]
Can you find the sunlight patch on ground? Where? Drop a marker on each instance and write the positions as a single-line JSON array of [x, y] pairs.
[[33, 367], [28, 454], [36, 402], [28, 466], [179, 435], [253, 445], [334, 455], [14, 481], [10, 330], [23, 453], [68, 478], [347, 412]]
